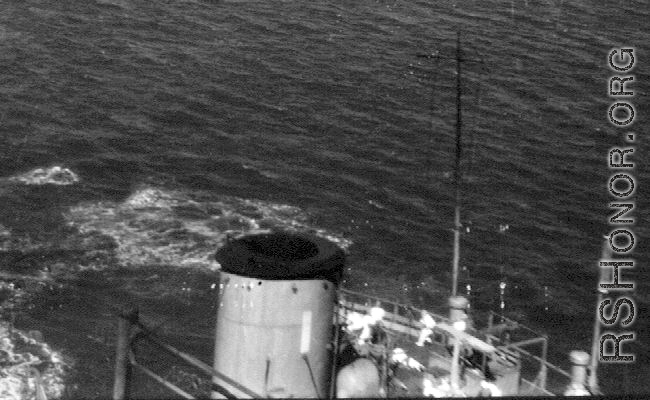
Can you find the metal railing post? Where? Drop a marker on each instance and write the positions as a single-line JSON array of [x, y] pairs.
[[122, 347], [543, 373], [490, 323], [335, 347]]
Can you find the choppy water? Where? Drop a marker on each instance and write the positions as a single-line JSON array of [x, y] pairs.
[[175, 123]]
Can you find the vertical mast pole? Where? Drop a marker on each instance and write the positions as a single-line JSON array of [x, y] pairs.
[[595, 345], [457, 174]]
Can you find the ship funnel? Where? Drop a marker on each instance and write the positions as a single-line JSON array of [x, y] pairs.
[[275, 310]]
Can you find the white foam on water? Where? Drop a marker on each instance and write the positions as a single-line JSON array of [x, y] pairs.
[[21, 354], [293, 218], [156, 198], [4, 231], [263, 172], [9, 242], [167, 227], [55, 175]]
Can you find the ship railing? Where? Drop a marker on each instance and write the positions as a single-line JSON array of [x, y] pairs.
[[528, 388], [130, 330], [549, 378], [539, 376], [399, 317], [513, 337]]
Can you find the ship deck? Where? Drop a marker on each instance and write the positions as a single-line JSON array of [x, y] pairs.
[[517, 364]]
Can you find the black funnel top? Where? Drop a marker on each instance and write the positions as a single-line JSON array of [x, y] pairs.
[[282, 256]]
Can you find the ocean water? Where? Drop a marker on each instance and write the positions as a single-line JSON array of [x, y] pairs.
[[135, 136]]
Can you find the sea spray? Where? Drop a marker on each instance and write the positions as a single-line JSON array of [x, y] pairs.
[[156, 226], [55, 175]]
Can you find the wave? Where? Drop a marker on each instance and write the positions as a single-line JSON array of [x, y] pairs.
[[155, 226], [263, 172], [28, 360], [47, 176]]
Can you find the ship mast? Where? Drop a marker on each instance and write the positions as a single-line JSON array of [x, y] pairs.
[[457, 173], [457, 169]]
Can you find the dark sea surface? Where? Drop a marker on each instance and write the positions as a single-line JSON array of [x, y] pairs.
[[175, 123]]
